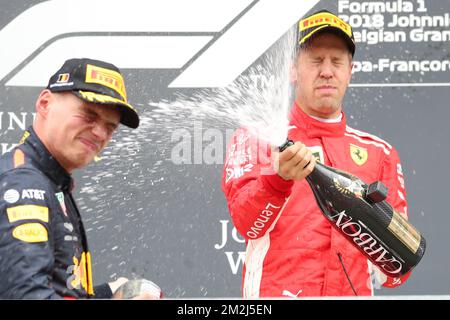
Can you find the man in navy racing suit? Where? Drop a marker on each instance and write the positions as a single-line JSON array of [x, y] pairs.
[[43, 246]]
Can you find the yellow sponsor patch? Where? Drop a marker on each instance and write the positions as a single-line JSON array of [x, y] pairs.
[[81, 273], [25, 136], [19, 158], [107, 78], [359, 154], [30, 232], [325, 18], [27, 212], [101, 98]]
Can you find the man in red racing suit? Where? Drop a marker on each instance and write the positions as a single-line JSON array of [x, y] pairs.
[[292, 249]]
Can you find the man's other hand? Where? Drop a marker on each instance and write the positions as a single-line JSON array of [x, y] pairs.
[[116, 284]]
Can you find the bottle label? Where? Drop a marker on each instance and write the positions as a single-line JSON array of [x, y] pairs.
[[405, 232], [355, 231]]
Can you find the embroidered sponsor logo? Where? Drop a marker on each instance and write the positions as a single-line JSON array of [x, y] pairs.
[[323, 19], [70, 238], [237, 172], [33, 194], [11, 196], [60, 197], [62, 81], [25, 136], [27, 212], [106, 77], [359, 154], [31, 233], [287, 293], [261, 221], [70, 228], [63, 77], [80, 274]]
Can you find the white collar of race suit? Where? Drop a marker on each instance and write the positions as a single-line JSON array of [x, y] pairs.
[[334, 120]]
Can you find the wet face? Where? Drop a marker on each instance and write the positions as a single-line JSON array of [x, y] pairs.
[[73, 130], [322, 74]]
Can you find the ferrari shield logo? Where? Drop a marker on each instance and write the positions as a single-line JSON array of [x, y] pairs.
[[358, 154]]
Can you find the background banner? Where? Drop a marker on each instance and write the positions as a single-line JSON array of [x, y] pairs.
[[152, 204]]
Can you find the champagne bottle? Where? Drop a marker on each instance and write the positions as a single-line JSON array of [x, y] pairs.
[[361, 214]]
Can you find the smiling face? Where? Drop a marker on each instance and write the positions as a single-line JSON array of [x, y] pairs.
[[322, 74], [74, 131]]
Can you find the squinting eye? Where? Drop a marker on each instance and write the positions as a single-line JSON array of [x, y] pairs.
[[89, 119]]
